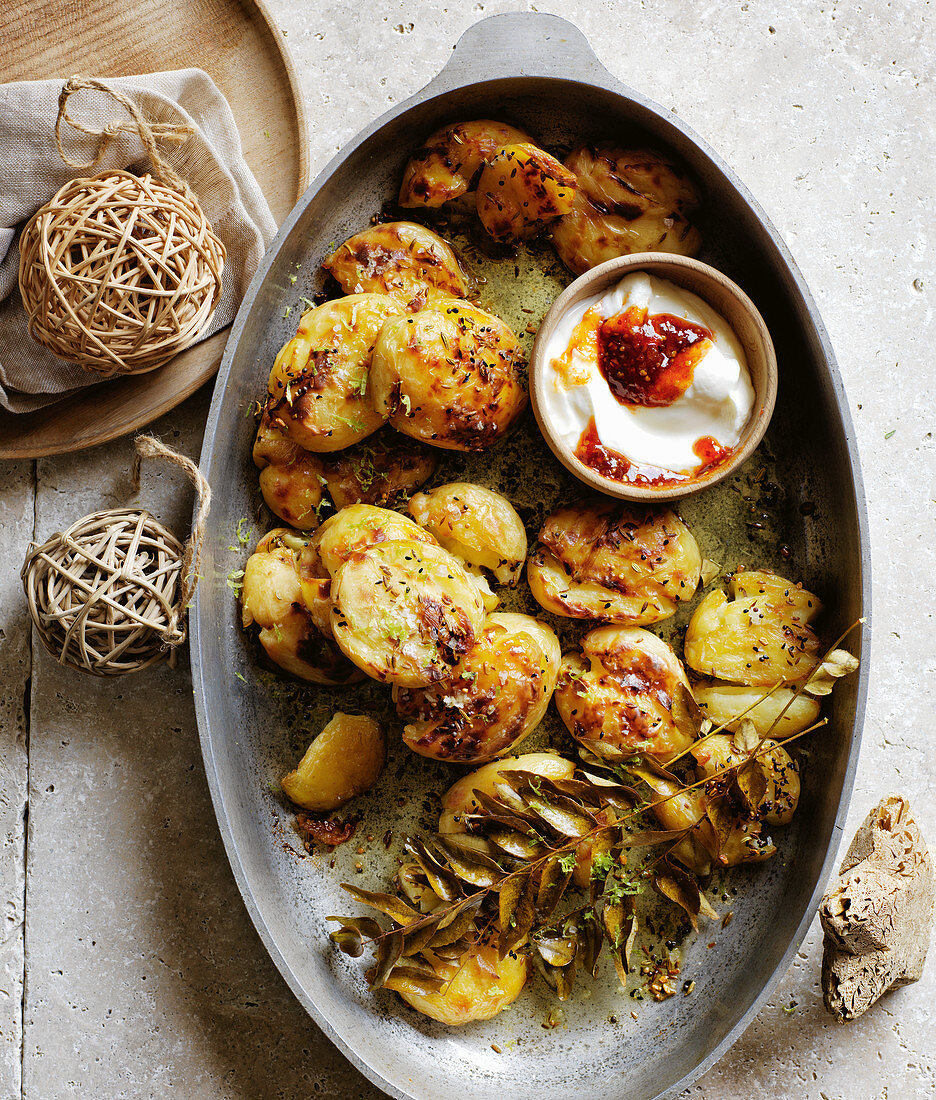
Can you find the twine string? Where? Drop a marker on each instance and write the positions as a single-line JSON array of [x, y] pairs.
[[148, 446], [148, 132]]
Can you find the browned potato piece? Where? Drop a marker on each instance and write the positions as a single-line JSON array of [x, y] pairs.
[[629, 200], [291, 478], [358, 527], [379, 470], [448, 163], [405, 612], [451, 376], [726, 703], [521, 191], [459, 800], [618, 692], [761, 636], [477, 525], [614, 563], [319, 380], [402, 259], [291, 605], [478, 986], [345, 760], [498, 693], [716, 753]]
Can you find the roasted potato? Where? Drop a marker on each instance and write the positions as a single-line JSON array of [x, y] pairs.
[[459, 801], [345, 760], [451, 376], [521, 190], [614, 563], [728, 704], [617, 694], [478, 985], [319, 387], [450, 160], [359, 527], [681, 808], [761, 636], [402, 259], [291, 478], [628, 200], [378, 471], [477, 525], [283, 595], [497, 694], [405, 612], [716, 752]]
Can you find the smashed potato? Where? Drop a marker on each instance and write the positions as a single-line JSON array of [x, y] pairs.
[[614, 563], [319, 380], [451, 376], [459, 800], [497, 694], [358, 527], [291, 605], [478, 985], [521, 190], [291, 478], [378, 471], [345, 760], [405, 260], [628, 200], [447, 164], [761, 636], [717, 752], [405, 612], [617, 694], [477, 525], [725, 704]]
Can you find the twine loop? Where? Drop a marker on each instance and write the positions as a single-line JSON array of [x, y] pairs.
[[148, 132]]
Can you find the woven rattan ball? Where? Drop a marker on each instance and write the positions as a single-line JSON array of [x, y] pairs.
[[118, 273], [105, 594]]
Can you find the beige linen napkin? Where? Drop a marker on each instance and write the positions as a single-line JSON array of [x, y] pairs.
[[31, 171]]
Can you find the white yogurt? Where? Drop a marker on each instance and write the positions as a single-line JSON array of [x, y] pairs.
[[717, 404]]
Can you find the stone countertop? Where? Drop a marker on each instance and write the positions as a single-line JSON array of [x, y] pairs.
[[128, 965]]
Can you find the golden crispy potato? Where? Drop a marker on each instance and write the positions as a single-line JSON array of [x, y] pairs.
[[717, 752], [725, 704], [618, 692], [477, 525], [291, 605], [379, 470], [451, 376], [614, 563], [405, 260], [318, 388], [354, 529], [628, 200], [345, 760], [681, 808], [521, 191], [405, 612], [450, 160], [498, 693], [459, 800], [478, 985], [761, 636], [291, 478]]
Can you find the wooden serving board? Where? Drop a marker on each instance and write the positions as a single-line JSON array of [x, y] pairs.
[[241, 49]]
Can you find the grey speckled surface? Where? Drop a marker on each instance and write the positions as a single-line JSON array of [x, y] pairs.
[[144, 977]]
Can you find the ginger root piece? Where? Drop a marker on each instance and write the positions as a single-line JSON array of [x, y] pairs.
[[877, 918]]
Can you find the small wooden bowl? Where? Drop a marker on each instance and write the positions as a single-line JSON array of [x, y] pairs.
[[722, 295]]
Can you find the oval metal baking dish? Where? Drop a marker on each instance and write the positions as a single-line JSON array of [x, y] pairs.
[[537, 71]]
